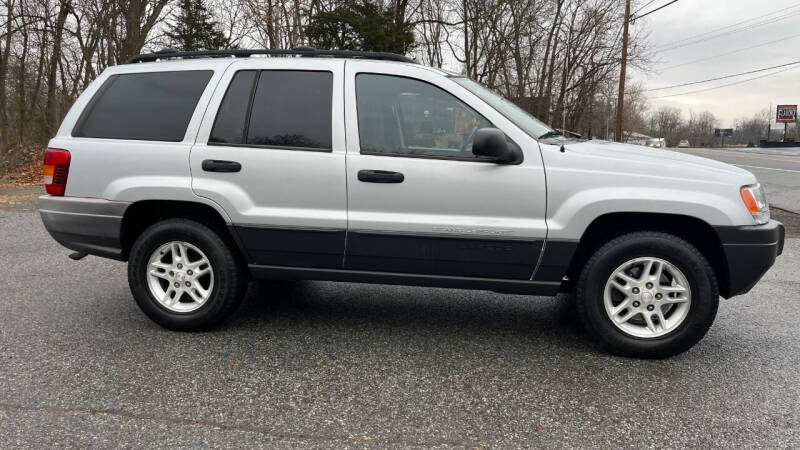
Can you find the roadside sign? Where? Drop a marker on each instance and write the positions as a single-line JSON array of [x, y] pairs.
[[786, 114], [723, 132]]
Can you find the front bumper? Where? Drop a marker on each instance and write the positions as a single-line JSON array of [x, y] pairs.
[[86, 225], [749, 252]]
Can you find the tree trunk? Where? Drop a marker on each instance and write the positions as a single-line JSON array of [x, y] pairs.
[[548, 49], [21, 78], [467, 59], [138, 23], [4, 132], [51, 111]]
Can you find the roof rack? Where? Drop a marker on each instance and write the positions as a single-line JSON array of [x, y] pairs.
[[298, 51]]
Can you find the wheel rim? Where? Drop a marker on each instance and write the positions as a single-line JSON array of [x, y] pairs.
[[180, 276], [647, 297]]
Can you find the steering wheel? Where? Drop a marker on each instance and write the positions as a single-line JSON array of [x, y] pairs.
[[468, 139]]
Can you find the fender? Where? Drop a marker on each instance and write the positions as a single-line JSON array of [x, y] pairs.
[[571, 218]]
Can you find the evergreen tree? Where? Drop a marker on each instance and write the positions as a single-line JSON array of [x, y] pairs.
[[193, 28], [361, 25]]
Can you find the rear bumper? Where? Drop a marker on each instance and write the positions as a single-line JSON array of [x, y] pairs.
[[86, 225], [749, 252]]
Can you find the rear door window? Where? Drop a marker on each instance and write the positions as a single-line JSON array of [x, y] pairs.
[[284, 109], [150, 106], [292, 109]]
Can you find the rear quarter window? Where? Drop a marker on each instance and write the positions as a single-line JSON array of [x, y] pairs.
[[150, 106]]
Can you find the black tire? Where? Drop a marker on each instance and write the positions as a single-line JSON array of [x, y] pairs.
[[230, 281], [686, 257]]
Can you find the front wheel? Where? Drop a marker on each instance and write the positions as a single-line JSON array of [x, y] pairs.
[[647, 294], [184, 276]]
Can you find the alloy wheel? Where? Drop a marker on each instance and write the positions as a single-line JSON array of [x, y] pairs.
[[647, 297]]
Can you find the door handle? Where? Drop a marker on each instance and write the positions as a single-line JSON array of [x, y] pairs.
[[214, 165], [380, 176]]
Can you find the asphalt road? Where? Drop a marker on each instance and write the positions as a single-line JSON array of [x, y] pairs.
[[345, 365], [777, 169]]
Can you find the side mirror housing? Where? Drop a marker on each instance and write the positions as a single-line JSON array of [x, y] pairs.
[[492, 143]]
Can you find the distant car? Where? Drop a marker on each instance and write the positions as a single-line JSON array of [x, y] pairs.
[[683, 144]]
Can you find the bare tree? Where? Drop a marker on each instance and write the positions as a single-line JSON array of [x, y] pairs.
[[5, 55], [137, 20], [667, 123], [554, 57], [52, 115]]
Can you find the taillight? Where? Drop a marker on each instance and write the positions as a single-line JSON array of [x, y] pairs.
[[56, 169]]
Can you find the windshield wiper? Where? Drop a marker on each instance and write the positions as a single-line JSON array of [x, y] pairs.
[[551, 133]]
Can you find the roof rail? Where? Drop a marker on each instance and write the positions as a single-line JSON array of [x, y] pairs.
[[238, 53]]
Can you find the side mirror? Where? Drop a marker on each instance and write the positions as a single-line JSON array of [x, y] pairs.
[[492, 143]]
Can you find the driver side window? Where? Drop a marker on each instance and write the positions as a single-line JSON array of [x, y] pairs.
[[407, 117]]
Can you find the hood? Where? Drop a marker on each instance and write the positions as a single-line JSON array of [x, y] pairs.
[[665, 162]]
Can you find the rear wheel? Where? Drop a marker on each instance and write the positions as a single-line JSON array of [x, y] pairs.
[[184, 276], [647, 294]]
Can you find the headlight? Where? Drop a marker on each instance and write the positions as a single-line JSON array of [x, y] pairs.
[[756, 202]]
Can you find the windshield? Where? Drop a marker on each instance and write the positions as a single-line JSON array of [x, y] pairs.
[[512, 112]]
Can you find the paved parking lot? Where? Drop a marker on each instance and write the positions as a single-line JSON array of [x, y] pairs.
[[345, 365]]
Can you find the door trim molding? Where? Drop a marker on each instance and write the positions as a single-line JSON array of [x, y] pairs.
[[454, 235]]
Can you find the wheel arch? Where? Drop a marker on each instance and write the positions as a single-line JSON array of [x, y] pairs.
[[142, 214], [608, 226]]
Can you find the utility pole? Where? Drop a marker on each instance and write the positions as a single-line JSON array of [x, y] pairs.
[[621, 98], [769, 122]]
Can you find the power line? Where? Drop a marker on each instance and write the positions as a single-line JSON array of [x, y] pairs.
[[731, 53], [670, 44], [722, 78], [746, 28], [652, 11], [727, 84], [643, 7], [730, 26]]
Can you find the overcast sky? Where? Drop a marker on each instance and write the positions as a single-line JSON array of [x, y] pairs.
[[688, 18]]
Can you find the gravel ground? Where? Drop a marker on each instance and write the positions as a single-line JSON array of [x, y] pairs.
[[345, 365]]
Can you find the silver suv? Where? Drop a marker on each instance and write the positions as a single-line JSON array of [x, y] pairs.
[[204, 171]]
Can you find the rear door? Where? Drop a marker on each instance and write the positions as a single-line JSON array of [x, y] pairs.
[[419, 201], [271, 153]]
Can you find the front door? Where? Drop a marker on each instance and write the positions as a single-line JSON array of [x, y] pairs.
[[419, 201], [271, 153]]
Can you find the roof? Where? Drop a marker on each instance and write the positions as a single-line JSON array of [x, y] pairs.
[[168, 54]]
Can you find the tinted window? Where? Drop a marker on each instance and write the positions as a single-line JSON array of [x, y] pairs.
[[399, 115], [229, 126], [155, 106], [292, 109]]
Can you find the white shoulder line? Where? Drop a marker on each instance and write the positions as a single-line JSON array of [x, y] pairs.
[[767, 168]]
